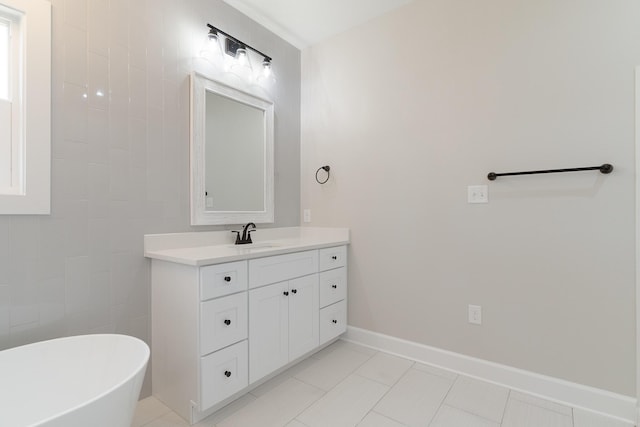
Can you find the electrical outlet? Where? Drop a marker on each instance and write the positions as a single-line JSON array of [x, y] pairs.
[[307, 215], [478, 194], [475, 314]]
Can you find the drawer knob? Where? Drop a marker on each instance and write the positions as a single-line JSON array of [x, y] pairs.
[[334, 286], [227, 278], [286, 293], [295, 291], [335, 257], [334, 321], [227, 322], [227, 374]]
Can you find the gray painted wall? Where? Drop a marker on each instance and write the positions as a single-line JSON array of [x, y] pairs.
[[120, 165], [411, 108]]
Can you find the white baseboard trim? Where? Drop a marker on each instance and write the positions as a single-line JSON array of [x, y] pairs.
[[550, 388]]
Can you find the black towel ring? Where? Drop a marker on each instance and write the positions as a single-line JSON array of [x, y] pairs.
[[326, 169]]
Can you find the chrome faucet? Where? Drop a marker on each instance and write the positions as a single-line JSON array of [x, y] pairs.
[[246, 234]]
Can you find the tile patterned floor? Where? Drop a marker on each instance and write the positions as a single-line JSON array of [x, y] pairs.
[[350, 385]]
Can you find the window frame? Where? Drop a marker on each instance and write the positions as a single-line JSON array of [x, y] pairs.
[[8, 25], [30, 93]]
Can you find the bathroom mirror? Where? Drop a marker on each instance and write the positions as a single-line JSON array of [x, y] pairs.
[[231, 155]]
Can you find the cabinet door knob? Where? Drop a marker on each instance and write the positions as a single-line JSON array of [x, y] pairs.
[[295, 291], [334, 321], [227, 278], [227, 322], [335, 257], [286, 293], [334, 286], [227, 374]]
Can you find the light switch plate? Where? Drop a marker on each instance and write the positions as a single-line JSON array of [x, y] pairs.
[[478, 194], [307, 215]]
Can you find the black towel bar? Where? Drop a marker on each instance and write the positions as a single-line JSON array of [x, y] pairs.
[[605, 168]]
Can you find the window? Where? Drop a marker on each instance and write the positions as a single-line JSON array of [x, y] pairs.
[[4, 58], [25, 106], [11, 181]]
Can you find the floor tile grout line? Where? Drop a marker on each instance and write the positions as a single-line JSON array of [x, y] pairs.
[[349, 373], [377, 401], [394, 383], [388, 417], [324, 393], [419, 361], [469, 412], [573, 418], [386, 392], [296, 416], [506, 403], [541, 406], [444, 398]]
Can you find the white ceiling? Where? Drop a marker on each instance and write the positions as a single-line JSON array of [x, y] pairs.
[[307, 22]]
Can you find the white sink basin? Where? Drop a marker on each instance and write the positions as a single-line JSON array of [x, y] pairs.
[[259, 245]]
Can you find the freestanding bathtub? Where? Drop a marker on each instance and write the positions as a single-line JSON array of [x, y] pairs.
[[80, 381]]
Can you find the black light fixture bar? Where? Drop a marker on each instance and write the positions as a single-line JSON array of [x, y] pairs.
[[238, 42], [605, 169]]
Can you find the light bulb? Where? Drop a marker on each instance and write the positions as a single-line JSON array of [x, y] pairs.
[[211, 50], [242, 66], [266, 75]]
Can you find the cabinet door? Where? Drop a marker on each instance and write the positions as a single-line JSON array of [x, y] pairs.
[[268, 329], [304, 309]]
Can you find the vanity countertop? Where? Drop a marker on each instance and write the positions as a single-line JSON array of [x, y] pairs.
[[216, 247]]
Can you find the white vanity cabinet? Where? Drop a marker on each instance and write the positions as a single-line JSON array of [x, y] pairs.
[[219, 330]]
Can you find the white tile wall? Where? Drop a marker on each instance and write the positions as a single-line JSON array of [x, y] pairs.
[[120, 163]]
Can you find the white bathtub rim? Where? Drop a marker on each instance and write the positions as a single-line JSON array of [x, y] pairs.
[[137, 368]]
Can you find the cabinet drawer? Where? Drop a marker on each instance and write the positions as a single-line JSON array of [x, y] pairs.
[[223, 321], [333, 257], [222, 374], [263, 271], [222, 279], [333, 321], [333, 286]]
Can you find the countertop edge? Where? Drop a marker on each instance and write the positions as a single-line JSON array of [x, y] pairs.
[[165, 255]]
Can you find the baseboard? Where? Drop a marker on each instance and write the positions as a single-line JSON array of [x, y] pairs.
[[550, 388]]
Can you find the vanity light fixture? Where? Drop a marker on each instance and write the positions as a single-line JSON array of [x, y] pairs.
[[238, 50]]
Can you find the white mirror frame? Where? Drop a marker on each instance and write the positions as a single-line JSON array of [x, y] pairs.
[[200, 84]]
